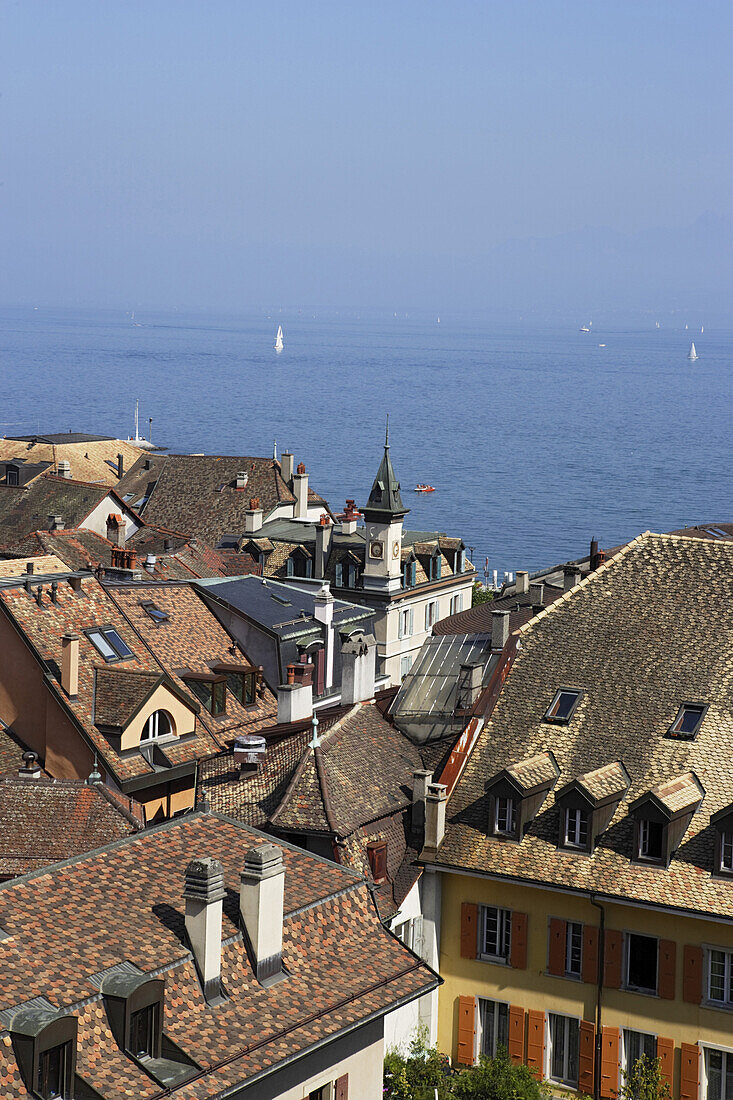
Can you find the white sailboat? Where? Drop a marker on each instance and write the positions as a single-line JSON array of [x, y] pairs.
[[586, 328], [693, 354], [279, 339], [139, 440], [702, 329]]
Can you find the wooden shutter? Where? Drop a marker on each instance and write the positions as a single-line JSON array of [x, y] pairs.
[[590, 954], [667, 966], [342, 1088], [556, 949], [536, 1042], [665, 1054], [609, 1062], [613, 957], [466, 1031], [587, 1058], [469, 930], [689, 1071], [518, 953], [692, 974], [515, 1043], [320, 663]]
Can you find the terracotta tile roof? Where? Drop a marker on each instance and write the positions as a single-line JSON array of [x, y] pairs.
[[534, 771], [605, 782], [46, 820], [66, 925], [119, 693], [403, 870], [11, 752], [82, 549], [684, 792], [253, 800], [89, 460], [25, 510], [650, 629], [42, 564]]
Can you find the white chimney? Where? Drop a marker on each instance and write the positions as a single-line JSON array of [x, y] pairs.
[[435, 815], [261, 905], [323, 613], [349, 519], [420, 783], [70, 664], [300, 490], [64, 468], [204, 893], [499, 629], [295, 699], [253, 517], [241, 480], [522, 582], [358, 668], [286, 466]]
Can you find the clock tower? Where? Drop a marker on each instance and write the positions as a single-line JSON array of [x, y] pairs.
[[383, 515]]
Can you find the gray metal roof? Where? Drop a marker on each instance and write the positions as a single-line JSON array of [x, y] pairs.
[[285, 609]]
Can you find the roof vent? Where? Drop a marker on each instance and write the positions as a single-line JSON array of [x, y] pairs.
[[30, 768], [241, 480]]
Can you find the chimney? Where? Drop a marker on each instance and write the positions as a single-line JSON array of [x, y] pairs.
[[30, 768], [54, 591], [324, 538], [120, 466], [55, 522], [64, 467], [597, 557], [499, 629], [469, 686], [435, 815], [70, 665], [358, 669], [29, 567], [350, 516], [116, 525], [300, 489], [571, 577], [537, 594], [286, 466], [75, 583], [420, 783], [522, 585], [167, 545], [39, 595], [295, 699], [204, 893], [323, 613], [261, 903], [241, 480], [253, 517], [150, 561]]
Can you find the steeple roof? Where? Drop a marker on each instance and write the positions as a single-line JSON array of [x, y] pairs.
[[385, 501]]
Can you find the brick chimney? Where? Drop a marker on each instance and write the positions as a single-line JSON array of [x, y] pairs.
[[349, 518], [253, 517], [300, 491], [70, 664], [286, 466], [324, 538], [499, 629], [204, 893], [435, 805], [522, 582], [116, 525], [261, 904]]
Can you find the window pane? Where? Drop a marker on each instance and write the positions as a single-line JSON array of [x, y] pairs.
[[717, 975], [116, 641], [557, 1034], [101, 644], [202, 691], [651, 836], [235, 683], [563, 705], [714, 1074], [573, 1033], [726, 851], [502, 1026], [488, 1028], [574, 948]]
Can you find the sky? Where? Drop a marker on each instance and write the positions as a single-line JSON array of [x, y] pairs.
[[228, 154]]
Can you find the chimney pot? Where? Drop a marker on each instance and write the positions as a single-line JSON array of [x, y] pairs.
[[261, 905], [571, 577], [522, 582], [54, 592], [499, 629], [204, 893], [70, 664], [55, 522], [29, 567], [39, 595], [30, 768], [301, 468], [75, 583]]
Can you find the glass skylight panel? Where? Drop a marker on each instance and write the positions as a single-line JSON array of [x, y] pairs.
[[563, 705], [688, 720], [156, 613], [98, 640], [109, 644], [122, 649]]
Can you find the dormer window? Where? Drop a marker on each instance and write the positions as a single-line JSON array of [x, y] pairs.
[[434, 565], [662, 817], [144, 1031], [109, 644], [587, 805], [723, 823], [687, 723], [576, 828], [241, 681], [158, 725], [409, 574], [377, 855], [300, 563], [210, 689], [155, 613], [563, 706], [517, 793], [44, 1042]]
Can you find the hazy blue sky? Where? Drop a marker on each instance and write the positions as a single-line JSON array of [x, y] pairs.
[[228, 153]]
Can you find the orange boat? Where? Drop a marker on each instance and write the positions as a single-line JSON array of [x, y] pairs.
[[424, 489]]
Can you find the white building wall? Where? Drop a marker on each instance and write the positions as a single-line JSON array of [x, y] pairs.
[[97, 518], [401, 1026], [392, 648]]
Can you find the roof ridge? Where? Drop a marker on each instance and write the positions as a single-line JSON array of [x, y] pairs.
[[328, 735]]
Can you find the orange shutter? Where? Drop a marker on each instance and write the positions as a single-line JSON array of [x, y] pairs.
[[587, 1058], [518, 957], [613, 956], [556, 951], [466, 1030], [469, 930], [342, 1087], [667, 966], [590, 954], [609, 1062], [515, 1044], [536, 1042], [692, 974], [665, 1054], [689, 1071]]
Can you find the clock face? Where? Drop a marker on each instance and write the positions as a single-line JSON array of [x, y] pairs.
[[376, 549], [395, 549]]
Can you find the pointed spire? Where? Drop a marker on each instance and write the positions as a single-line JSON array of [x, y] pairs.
[[386, 435], [385, 502]]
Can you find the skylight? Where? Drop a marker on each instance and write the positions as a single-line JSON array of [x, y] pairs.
[[563, 706], [108, 643], [688, 720], [156, 613]]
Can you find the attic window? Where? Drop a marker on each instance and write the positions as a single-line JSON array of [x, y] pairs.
[[687, 722], [109, 644], [210, 690], [377, 854], [563, 706], [44, 1043], [154, 612], [651, 840]]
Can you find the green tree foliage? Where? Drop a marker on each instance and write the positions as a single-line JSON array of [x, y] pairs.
[[480, 594], [645, 1081], [417, 1076], [497, 1079], [425, 1070]]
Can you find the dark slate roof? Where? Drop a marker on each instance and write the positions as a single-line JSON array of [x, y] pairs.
[[139, 481], [61, 437], [477, 620], [650, 629], [24, 510], [385, 501], [46, 820], [196, 494], [343, 966]]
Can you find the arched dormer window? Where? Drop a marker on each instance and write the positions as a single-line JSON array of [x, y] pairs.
[[44, 1042], [158, 725]]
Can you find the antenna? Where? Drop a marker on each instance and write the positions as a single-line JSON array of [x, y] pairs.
[[386, 434]]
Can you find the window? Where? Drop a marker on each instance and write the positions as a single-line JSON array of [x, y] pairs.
[[505, 816], [636, 1044], [144, 1031], [157, 725], [564, 1048], [434, 567], [242, 686], [12, 476], [641, 963], [52, 1073], [726, 852], [377, 854], [109, 644], [410, 932], [155, 613], [576, 828], [651, 840], [495, 932], [405, 666], [573, 948], [720, 977], [493, 1019], [456, 604], [406, 620], [563, 706], [431, 614], [209, 690], [409, 574], [719, 1074], [298, 565], [688, 720]]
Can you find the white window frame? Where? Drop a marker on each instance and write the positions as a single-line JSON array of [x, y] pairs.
[[431, 614], [623, 1052], [727, 1002], [456, 603], [510, 816], [152, 722], [503, 933], [480, 1027], [705, 1048], [627, 961], [573, 814], [644, 824], [726, 842], [548, 1051], [574, 925], [405, 622], [410, 932], [406, 663]]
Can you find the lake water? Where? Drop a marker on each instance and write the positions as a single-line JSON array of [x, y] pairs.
[[534, 438]]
